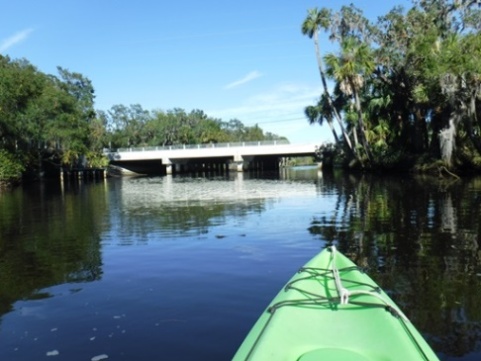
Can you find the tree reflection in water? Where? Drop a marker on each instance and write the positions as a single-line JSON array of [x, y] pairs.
[[419, 239]]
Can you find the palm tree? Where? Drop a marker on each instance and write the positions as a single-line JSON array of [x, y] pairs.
[[349, 69], [320, 112], [320, 19]]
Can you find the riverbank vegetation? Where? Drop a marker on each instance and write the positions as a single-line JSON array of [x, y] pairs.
[[405, 90], [49, 121]]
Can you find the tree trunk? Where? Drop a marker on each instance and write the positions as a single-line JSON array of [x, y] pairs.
[[438, 123], [362, 130], [329, 100], [447, 141], [331, 126], [469, 120], [420, 132]]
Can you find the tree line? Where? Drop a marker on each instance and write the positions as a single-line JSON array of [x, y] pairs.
[[49, 121], [406, 88], [133, 126]]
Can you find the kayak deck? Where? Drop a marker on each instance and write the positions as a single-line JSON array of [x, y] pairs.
[[332, 310]]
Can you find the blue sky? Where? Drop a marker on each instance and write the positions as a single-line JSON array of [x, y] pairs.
[[232, 59]]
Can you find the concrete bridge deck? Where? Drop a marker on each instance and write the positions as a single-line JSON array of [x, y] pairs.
[[238, 155]]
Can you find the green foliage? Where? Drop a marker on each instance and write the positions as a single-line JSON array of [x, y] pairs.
[[96, 160], [407, 81], [52, 118], [133, 127], [42, 116], [316, 18], [11, 168]]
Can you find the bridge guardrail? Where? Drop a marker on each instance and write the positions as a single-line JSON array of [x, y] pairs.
[[199, 146]]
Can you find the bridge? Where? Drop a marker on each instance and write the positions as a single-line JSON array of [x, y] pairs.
[[208, 157]]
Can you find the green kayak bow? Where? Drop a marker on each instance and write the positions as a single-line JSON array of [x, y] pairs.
[[332, 311]]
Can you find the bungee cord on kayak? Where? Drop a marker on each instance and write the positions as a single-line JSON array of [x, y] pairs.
[[344, 294], [325, 289]]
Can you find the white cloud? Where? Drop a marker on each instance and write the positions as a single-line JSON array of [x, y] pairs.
[[279, 110], [14, 39], [249, 77], [279, 102]]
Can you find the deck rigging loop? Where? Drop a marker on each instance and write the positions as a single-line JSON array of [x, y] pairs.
[[344, 293], [341, 290]]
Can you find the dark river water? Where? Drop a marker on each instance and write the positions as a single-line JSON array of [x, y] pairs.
[[179, 268]]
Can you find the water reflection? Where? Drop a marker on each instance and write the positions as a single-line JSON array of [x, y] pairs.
[[46, 239], [419, 236], [180, 206], [211, 241], [52, 234], [184, 191]]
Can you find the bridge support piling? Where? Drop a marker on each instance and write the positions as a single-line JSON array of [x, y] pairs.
[[168, 165]]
